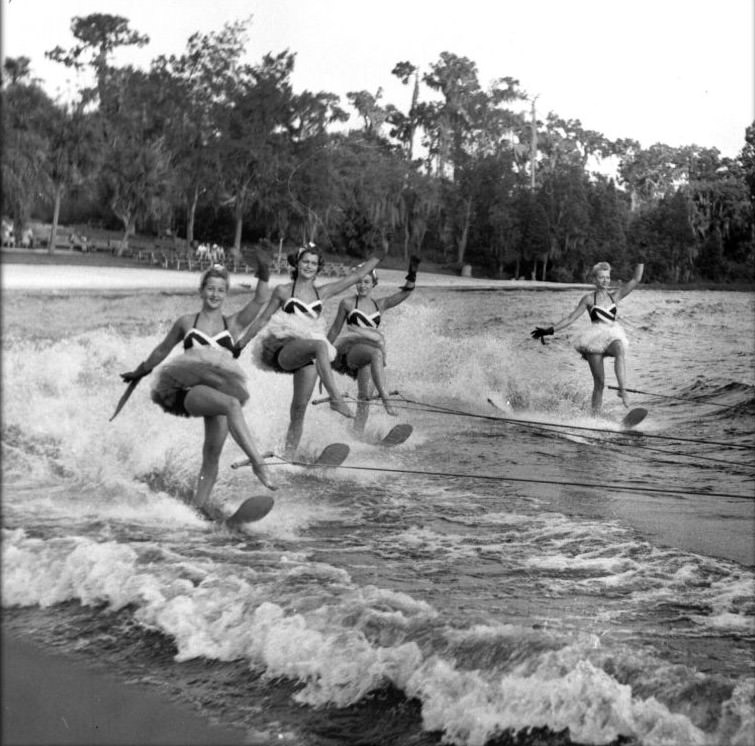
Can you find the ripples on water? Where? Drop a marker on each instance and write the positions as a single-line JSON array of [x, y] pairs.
[[490, 576]]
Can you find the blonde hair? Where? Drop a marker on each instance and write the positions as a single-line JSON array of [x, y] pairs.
[[600, 267]]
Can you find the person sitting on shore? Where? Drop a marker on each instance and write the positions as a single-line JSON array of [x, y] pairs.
[[206, 381], [294, 339], [605, 337], [360, 350]]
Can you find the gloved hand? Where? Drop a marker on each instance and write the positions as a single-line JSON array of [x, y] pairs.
[[263, 268], [136, 375], [541, 333], [411, 276], [413, 266]]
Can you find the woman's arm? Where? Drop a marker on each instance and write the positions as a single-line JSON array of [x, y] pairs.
[[399, 297], [273, 305], [540, 332], [574, 315], [393, 300], [337, 325], [172, 338], [262, 293], [627, 288], [334, 288]]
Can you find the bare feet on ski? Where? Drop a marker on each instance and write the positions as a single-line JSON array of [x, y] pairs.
[[622, 394], [340, 406], [261, 472], [389, 409]]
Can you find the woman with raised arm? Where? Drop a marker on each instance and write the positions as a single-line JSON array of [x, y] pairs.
[[206, 381], [294, 339], [605, 337], [360, 350]]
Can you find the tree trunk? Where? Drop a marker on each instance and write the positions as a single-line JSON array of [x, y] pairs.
[[545, 266], [239, 214], [464, 233], [191, 212], [52, 241], [129, 227]]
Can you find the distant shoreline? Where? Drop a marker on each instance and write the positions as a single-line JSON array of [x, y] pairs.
[[74, 271]]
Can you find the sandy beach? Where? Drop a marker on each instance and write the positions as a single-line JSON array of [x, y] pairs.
[[49, 699], [37, 277]]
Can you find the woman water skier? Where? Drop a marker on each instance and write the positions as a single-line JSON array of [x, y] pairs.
[[360, 350], [206, 381], [605, 337], [294, 340]]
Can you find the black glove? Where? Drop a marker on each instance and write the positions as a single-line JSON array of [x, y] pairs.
[[263, 269], [411, 276], [541, 333], [413, 265], [136, 375]]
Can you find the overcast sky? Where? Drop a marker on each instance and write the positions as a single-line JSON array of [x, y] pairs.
[[680, 72]]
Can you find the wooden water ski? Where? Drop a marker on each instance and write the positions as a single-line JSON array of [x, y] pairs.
[[634, 417], [333, 455], [252, 509], [396, 435]]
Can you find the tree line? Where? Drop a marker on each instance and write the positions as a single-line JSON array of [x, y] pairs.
[[209, 147]]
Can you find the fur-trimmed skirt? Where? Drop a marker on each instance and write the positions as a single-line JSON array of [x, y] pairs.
[[348, 340], [197, 366], [282, 328], [599, 337]]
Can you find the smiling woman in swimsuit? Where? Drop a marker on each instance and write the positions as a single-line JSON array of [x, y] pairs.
[[294, 339], [360, 349], [206, 381], [605, 337]]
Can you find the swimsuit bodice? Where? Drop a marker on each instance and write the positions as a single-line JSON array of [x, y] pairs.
[[357, 317], [300, 308], [197, 338], [599, 315]]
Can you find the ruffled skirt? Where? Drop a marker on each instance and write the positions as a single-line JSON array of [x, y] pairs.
[[283, 328], [197, 366], [350, 339], [599, 337]]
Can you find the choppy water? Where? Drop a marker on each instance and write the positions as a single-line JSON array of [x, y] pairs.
[[485, 578]]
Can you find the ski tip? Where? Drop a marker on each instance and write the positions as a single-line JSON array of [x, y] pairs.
[[634, 417], [396, 435], [252, 509], [333, 455]]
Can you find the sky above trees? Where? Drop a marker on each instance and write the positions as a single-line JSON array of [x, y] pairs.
[[677, 71]]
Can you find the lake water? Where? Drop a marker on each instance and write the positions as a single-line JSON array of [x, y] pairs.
[[497, 573]]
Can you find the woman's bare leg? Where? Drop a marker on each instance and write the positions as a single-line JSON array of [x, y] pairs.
[[595, 361], [205, 401], [616, 350], [298, 353], [304, 384], [361, 355], [364, 384], [215, 432]]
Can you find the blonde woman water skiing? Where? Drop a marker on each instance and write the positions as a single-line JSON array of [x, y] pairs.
[[206, 381], [605, 337]]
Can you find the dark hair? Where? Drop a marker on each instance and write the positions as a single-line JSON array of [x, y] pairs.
[[372, 273], [216, 270], [293, 258]]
